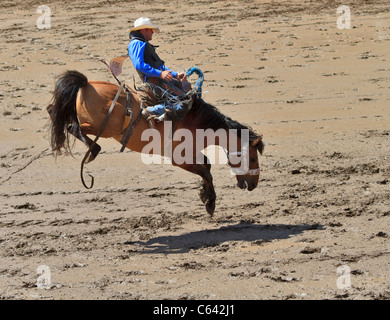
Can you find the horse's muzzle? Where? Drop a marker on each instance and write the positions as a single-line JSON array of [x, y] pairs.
[[249, 185]]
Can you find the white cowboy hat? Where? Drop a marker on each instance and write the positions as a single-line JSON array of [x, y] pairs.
[[144, 23]]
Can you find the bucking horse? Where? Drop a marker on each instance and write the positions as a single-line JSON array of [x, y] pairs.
[[82, 108]]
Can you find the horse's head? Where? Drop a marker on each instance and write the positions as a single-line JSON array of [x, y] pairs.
[[242, 143], [246, 167]]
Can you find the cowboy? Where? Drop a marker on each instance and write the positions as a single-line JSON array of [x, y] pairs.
[[148, 64]]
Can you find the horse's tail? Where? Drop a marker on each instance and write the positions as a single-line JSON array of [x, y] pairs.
[[63, 110]]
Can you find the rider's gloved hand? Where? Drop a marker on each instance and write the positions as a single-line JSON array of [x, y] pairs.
[[166, 75]]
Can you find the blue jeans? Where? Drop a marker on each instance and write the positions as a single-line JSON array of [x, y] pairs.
[[158, 109]]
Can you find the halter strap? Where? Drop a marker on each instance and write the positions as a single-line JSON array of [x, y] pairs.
[[238, 171]]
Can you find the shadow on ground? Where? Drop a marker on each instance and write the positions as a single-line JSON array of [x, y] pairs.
[[214, 237]]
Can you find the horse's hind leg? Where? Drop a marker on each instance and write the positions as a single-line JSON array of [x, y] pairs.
[[79, 135], [88, 141], [95, 150], [207, 192]]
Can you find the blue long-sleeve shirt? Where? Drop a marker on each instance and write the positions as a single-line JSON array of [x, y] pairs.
[[136, 51]]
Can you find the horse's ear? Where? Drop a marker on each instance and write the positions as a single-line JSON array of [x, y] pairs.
[[259, 144]]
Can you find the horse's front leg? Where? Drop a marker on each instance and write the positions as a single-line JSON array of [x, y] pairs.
[[207, 192]]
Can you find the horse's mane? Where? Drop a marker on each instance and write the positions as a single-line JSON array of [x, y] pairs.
[[211, 117]]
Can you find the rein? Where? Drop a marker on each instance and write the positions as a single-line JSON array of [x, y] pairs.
[[198, 84]]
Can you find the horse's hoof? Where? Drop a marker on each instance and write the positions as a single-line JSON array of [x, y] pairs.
[[242, 184], [210, 207], [94, 152], [203, 195]]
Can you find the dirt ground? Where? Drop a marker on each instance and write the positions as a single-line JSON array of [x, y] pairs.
[[316, 227]]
